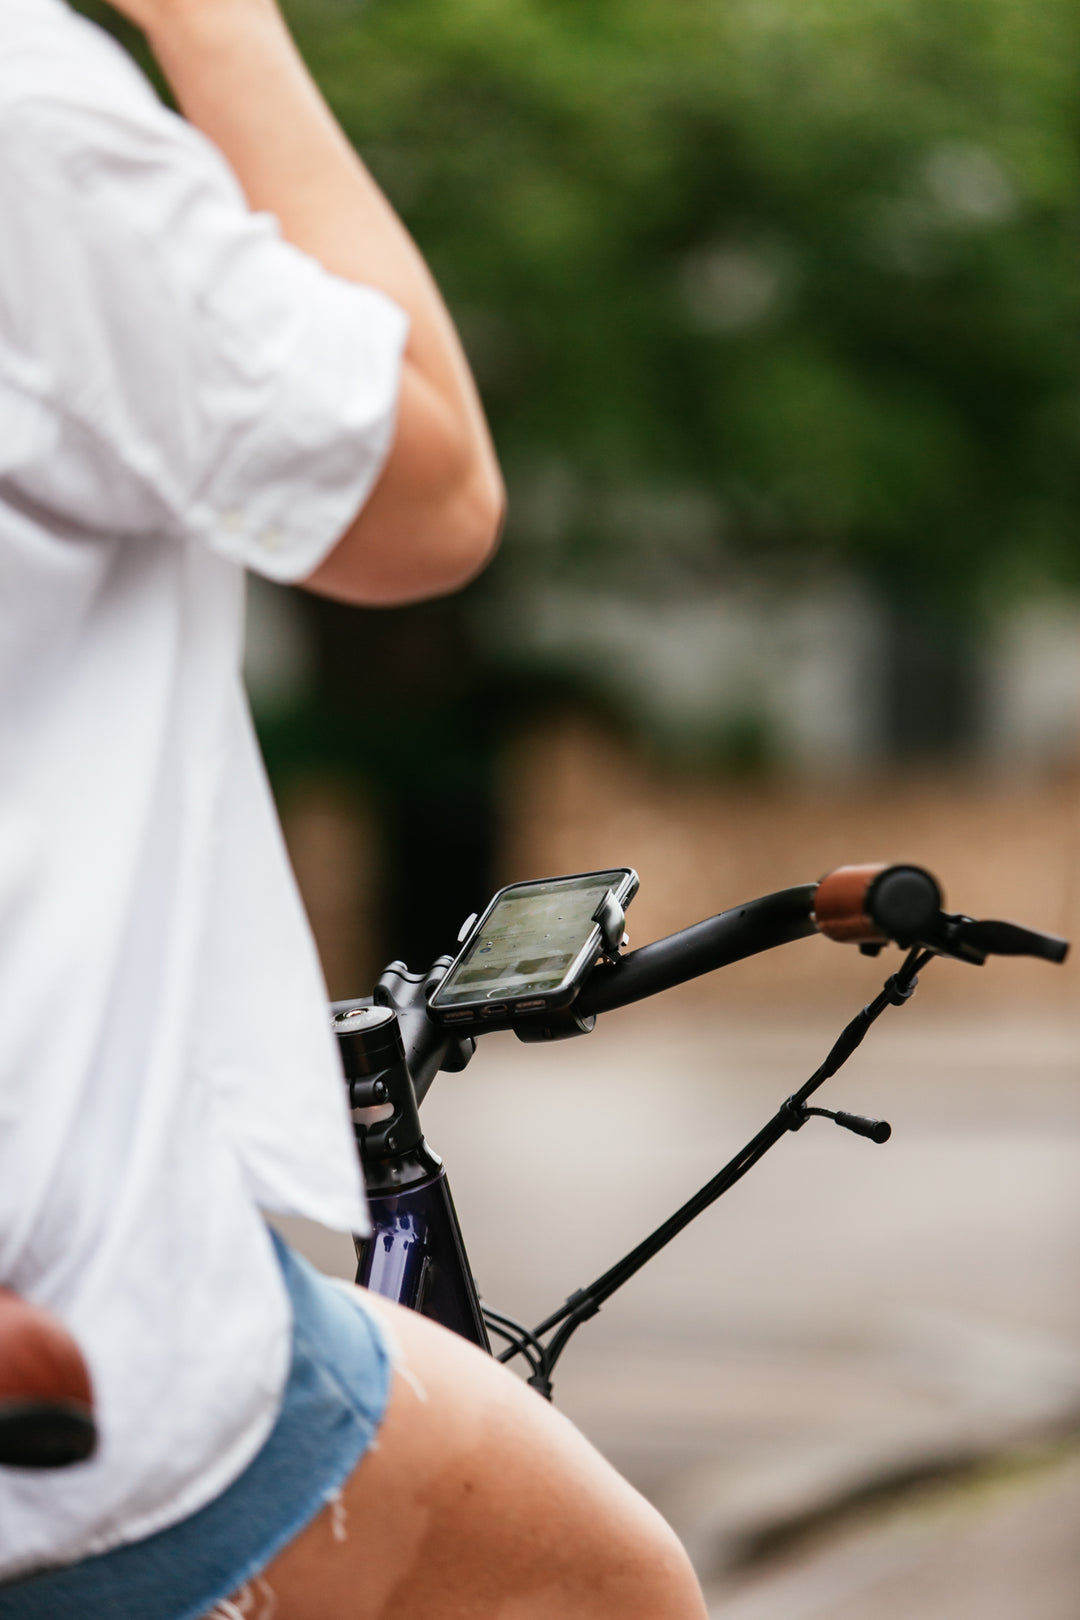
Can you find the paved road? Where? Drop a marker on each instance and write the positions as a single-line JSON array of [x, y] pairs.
[[1003, 1551], [849, 1315]]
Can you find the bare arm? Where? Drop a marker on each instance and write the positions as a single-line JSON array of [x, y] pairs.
[[433, 519]]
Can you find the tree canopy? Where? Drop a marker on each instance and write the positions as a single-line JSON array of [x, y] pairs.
[[748, 277], [795, 274]]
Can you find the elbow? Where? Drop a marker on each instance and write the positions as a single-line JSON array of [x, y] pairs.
[[431, 525], [445, 497], [451, 541], [474, 525], [455, 489]]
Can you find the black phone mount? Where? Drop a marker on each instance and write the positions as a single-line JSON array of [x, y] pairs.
[[610, 916], [562, 1023]]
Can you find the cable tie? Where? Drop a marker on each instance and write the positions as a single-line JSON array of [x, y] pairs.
[[795, 1114], [582, 1305], [896, 992]]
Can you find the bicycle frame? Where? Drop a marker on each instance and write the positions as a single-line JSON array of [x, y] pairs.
[[416, 1256]]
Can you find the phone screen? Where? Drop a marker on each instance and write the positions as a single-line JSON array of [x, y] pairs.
[[529, 941]]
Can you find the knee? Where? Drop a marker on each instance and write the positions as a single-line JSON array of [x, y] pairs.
[[483, 1500], [643, 1574]]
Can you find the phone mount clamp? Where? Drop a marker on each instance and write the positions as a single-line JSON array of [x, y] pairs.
[[610, 916]]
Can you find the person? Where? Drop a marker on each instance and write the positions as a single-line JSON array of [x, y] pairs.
[[219, 351]]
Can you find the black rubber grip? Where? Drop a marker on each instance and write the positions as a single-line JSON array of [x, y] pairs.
[[773, 920]]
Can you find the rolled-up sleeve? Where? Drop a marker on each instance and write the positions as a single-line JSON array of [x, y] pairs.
[[175, 365]]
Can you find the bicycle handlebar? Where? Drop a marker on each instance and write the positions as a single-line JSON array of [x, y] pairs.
[[869, 905], [392, 1048], [744, 931]]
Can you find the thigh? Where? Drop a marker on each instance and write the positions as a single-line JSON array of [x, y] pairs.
[[478, 1502]]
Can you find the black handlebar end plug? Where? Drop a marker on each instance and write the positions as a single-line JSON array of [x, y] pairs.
[[905, 903]]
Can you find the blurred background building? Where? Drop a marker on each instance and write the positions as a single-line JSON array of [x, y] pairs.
[[774, 306]]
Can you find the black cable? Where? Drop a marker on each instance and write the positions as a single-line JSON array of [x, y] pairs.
[[898, 988], [583, 1305], [586, 1302], [522, 1340], [515, 1347]]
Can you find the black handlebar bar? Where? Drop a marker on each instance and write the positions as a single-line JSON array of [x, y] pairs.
[[729, 937], [869, 905], [902, 904]]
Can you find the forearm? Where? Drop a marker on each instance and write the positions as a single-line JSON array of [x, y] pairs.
[[238, 77]]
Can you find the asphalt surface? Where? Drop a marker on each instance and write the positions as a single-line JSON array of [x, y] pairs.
[[1003, 1548]]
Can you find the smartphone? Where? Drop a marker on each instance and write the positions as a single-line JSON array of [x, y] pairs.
[[531, 949]]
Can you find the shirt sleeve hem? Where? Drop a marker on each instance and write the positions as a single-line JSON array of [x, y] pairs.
[[288, 526]]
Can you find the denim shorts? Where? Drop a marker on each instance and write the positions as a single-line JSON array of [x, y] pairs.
[[334, 1400]]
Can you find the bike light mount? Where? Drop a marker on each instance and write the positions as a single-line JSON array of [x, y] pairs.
[[875, 1130]]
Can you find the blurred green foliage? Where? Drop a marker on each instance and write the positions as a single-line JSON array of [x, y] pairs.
[[799, 275], [786, 278]]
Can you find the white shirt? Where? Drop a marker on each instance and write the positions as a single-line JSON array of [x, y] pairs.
[[182, 395]]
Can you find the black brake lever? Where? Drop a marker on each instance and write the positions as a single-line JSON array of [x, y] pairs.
[[968, 940], [993, 938]]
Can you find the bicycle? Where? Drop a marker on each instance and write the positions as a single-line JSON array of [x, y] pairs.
[[392, 1050]]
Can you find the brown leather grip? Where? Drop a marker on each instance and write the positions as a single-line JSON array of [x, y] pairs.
[[840, 909], [39, 1359]]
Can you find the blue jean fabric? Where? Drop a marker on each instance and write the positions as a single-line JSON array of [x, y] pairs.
[[334, 1400]]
